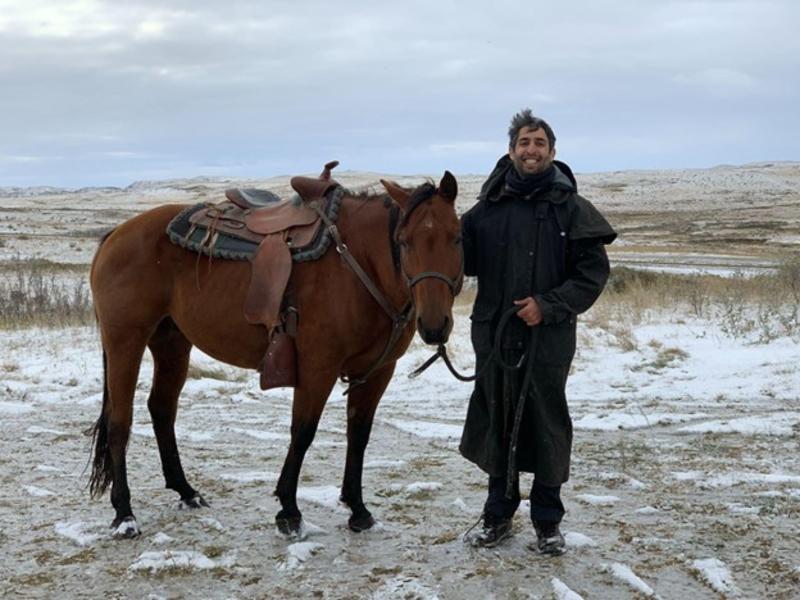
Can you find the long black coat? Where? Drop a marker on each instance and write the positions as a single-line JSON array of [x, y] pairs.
[[549, 245]]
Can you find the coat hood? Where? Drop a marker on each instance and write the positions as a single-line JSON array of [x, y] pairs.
[[493, 186]]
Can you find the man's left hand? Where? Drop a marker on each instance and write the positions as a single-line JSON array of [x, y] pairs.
[[530, 311]]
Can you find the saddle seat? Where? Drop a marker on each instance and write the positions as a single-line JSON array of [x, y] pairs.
[[252, 198]]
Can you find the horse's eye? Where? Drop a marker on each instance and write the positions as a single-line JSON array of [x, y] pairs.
[[457, 241]]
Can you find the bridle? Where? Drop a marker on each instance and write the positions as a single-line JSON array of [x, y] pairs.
[[454, 284], [400, 320]]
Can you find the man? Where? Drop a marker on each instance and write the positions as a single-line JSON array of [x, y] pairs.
[[537, 248]]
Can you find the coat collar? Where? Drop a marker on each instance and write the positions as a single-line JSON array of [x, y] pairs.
[[492, 189]]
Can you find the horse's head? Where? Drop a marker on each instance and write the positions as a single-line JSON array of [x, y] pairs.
[[431, 257]]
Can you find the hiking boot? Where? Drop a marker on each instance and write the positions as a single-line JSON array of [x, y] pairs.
[[549, 540], [493, 531]]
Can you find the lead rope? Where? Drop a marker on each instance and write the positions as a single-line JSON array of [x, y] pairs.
[[494, 355], [526, 360]]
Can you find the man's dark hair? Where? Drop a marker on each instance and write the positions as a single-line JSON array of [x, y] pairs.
[[525, 118]]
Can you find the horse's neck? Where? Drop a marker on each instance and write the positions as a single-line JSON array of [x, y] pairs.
[[364, 226]]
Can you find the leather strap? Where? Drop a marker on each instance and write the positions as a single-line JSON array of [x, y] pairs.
[[399, 320]]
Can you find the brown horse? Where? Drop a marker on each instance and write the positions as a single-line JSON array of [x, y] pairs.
[[149, 293]]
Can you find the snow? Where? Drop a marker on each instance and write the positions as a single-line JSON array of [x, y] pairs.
[[162, 538], [37, 429], [325, 495], [562, 592], [384, 464], [610, 422], [251, 477], [419, 487], [770, 424], [578, 540], [38, 492], [737, 478], [627, 479], [597, 500], [404, 587], [648, 510], [166, 560], [714, 572], [428, 430], [15, 408], [641, 457], [685, 440], [212, 523], [626, 575], [300, 553], [76, 531]]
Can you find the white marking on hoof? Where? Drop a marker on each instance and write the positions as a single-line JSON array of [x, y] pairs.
[[126, 530], [193, 503]]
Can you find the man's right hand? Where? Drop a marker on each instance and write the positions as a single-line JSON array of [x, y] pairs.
[[530, 311]]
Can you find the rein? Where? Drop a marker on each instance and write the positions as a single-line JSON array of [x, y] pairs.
[[400, 320]]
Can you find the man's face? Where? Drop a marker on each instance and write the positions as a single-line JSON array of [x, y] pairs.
[[532, 153]]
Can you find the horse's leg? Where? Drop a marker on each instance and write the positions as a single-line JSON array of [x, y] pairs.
[[170, 350], [361, 405], [309, 400], [124, 355]]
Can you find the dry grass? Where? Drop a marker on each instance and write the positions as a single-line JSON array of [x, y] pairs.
[[763, 307], [35, 293]]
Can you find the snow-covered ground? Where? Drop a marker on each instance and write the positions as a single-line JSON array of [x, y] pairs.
[[685, 482], [686, 471]]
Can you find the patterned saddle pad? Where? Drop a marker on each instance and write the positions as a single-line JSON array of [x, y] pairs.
[[228, 244]]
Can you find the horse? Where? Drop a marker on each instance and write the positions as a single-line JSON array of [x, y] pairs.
[[151, 294]]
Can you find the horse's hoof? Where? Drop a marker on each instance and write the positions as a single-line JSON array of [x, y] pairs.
[[125, 529], [361, 522], [197, 501], [291, 528]]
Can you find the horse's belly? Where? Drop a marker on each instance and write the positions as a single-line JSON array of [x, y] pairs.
[[208, 307]]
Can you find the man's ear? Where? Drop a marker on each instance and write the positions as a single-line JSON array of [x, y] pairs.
[[396, 193]]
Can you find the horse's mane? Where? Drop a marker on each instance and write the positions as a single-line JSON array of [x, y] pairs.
[[424, 192], [419, 195]]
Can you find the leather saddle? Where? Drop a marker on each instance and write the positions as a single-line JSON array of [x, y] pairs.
[[277, 226]]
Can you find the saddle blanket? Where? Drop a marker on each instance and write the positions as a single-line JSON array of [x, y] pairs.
[[228, 245]]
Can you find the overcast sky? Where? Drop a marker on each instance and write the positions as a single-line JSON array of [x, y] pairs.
[[106, 93]]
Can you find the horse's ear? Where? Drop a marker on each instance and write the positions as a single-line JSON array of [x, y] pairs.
[[448, 187], [397, 193]]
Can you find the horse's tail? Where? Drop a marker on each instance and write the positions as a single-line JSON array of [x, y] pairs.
[[101, 475]]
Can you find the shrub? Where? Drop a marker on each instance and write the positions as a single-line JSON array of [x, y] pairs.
[[32, 295]]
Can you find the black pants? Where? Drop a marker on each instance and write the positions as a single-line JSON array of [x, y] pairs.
[[545, 501]]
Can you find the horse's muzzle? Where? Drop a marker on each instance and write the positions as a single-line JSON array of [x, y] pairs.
[[435, 335]]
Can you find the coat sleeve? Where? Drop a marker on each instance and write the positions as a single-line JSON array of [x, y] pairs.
[[587, 272]]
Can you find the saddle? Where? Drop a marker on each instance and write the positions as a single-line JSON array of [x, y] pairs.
[[272, 234]]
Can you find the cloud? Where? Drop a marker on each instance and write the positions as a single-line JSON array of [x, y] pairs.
[[720, 77], [26, 159], [392, 87]]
